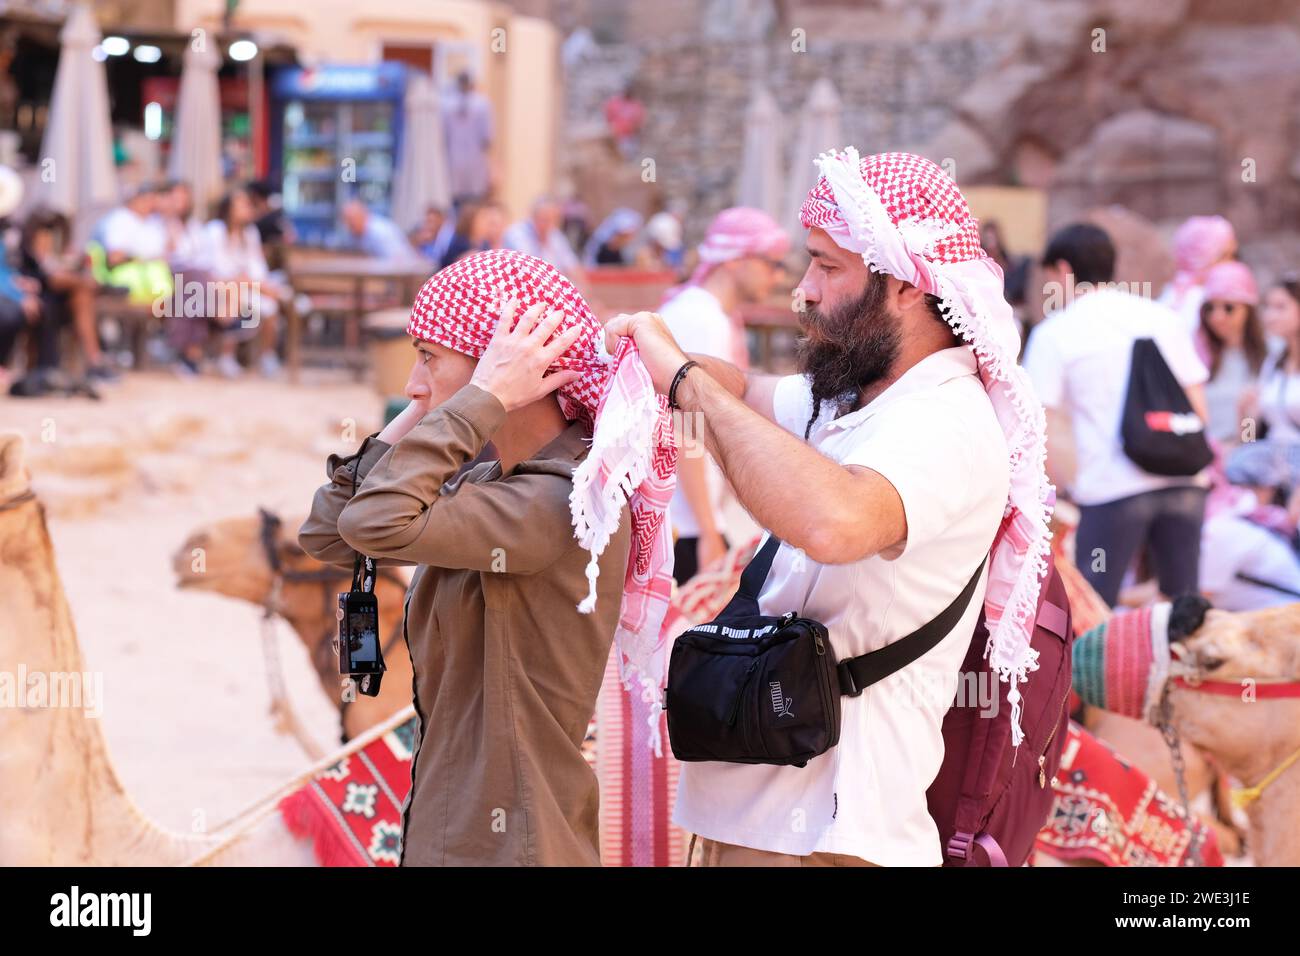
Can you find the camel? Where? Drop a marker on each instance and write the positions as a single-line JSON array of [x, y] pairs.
[[237, 555], [1236, 695], [1141, 744], [64, 803]]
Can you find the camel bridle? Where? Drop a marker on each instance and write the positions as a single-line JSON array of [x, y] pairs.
[[322, 653], [19, 499], [1281, 689]]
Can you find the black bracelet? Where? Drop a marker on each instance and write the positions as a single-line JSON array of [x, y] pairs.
[[677, 380]]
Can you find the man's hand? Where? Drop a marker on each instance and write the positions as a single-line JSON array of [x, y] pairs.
[[514, 366], [659, 351], [404, 421], [709, 548]]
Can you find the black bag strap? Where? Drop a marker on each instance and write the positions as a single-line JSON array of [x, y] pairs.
[[858, 673], [745, 601], [1262, 583]]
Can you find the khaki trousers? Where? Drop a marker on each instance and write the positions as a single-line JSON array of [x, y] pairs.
[[713, 853]]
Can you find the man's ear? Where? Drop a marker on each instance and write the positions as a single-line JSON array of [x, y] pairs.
[[909, 296]]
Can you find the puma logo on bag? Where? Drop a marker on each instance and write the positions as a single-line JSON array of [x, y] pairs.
[[780, 703]]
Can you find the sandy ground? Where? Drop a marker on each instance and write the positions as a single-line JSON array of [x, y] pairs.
[[124, 481]]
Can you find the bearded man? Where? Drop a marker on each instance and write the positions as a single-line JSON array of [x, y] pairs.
[[910, 446]]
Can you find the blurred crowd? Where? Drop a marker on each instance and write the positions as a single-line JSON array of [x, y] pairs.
[[157, 254], [1229, 531]]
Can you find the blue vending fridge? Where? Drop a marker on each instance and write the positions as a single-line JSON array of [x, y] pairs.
[[335, 134]]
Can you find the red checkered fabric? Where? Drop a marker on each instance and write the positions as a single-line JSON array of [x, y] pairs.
[[630, 427], [458, 308], [910, 188]]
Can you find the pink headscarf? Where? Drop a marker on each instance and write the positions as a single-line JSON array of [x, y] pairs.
[[633, 457], [905, 217], [735, 233], [1231, 282], [1199, 243]]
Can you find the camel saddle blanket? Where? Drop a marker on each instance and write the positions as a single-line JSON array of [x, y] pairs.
[[1107, 810], [352, 811]]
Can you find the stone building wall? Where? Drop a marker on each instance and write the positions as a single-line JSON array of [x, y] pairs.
[[1169, 108]]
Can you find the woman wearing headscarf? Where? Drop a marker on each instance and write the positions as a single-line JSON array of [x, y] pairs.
[[1230, 340], [1199, 243], [528, 564]]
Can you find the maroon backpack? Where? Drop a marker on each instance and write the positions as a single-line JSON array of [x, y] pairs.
[[988, 793]]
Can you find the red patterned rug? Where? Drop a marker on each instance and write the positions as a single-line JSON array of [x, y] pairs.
[[352, 810], [1109, 811]]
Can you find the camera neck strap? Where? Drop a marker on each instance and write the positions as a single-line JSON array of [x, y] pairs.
[[363, 574], [363, 568]]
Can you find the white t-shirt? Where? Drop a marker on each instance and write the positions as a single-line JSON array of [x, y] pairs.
[[140, 237], [1223, 394], [697, 322], [934, 436], [1188, 307], [1078, 359], [229, 260], [1231, 544], [1279, 401]]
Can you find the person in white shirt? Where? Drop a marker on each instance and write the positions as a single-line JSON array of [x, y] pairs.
[[184, 230], [740, 263], [468, 128], [1079, 358], [1199, 243], [1245, 566], [134, 231], [232, 253], [885, 471], [540, 235], [1276, 409]]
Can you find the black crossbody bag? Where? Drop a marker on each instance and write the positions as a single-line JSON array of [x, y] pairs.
[[753, 688]]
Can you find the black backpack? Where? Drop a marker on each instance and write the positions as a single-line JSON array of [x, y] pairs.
[[1159, 430]]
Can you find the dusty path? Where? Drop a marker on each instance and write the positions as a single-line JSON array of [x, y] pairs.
[[124, 481]]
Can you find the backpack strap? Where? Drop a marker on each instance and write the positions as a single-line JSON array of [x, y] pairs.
[[858, 673]]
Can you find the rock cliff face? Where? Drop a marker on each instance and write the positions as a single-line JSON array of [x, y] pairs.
[[1168, 108]]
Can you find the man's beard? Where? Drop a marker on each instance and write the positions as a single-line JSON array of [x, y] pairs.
[[849, 347]]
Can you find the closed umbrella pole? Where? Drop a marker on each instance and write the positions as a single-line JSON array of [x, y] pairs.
[[819, 131], [760, 183], [77, 176], [196, 143]]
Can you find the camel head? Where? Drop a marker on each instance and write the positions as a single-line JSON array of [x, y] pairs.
[[14, 479], [1243, 648], [230, 557]]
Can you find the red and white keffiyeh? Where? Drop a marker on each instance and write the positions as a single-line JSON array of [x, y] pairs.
[[907, 218], [633, 456]]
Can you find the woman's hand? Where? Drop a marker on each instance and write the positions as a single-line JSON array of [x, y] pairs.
[[514, 366], [709, 548]]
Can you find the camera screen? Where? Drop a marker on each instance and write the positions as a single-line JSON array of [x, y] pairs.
[[363, 643]]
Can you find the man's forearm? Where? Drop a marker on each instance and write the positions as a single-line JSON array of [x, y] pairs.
[[790, 488], [754, 388], [721, 371]]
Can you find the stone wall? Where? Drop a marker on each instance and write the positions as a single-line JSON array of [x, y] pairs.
[[1169, 108]]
